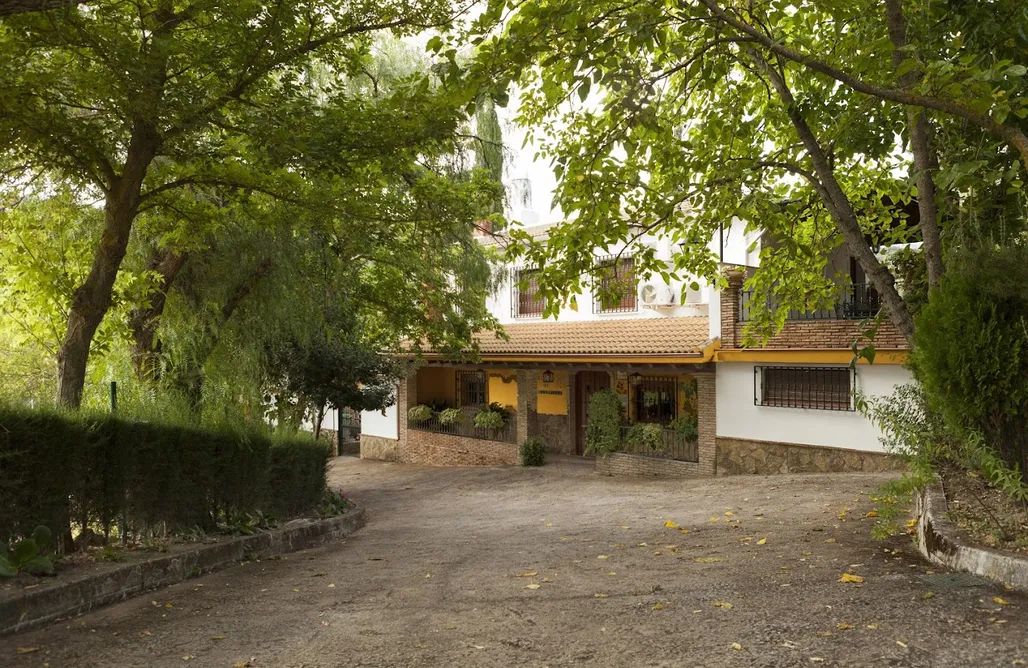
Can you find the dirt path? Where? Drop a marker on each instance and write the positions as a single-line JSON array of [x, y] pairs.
[[432, 581]]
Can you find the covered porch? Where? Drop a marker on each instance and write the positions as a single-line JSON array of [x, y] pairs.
[[478, 413]]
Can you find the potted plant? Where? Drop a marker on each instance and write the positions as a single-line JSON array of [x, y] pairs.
[[494, 416], [419, 413], [451, 416]]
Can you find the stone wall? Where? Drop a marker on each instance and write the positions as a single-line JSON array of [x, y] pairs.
[[555, 430], [435, 449], [706, 413], [377, 447], [624, 464], [738, 456]]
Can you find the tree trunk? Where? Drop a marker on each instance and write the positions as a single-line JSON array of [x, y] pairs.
[[838, 204], [921, 146], [144, 321], [319, 418], [92, 299]]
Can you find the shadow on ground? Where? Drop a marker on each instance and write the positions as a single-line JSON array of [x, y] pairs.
[[560, 567]]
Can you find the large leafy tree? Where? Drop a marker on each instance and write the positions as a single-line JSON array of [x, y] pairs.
[[138, 102], [677, 117]]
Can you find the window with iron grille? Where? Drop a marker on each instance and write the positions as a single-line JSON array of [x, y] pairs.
[[525, 299], [471, 389], [617, 287], [656, 399], [824, 388]]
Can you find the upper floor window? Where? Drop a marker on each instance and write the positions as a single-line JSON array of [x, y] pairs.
[[471, 389], [617, 285], [525, 298], [824, 388]]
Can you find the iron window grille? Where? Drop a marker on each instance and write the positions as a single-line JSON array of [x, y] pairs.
[[525, 300], [656, 399], [817, 387], [617, 290], [471, 389]]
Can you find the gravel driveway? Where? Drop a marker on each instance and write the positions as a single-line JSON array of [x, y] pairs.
[[559, 567]]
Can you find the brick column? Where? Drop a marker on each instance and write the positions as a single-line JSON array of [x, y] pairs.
[[730, 329], [706, 409], [406, 396], [528, 395]]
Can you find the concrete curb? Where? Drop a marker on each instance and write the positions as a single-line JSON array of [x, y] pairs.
[[943, 543], [33, 608]]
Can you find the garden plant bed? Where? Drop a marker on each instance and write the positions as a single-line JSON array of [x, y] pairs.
[[84, 583], [988, 516]]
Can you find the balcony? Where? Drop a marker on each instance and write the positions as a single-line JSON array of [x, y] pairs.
[[856, 301]]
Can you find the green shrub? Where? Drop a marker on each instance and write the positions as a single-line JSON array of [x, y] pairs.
[[686, 428], [533, 452], [645, 436], [87, 470], [971, 350], [488, 418], [451, 416], [419, 413], [27, 555], [603, 430]]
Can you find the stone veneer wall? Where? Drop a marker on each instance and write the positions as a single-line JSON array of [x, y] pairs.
[[434, 449], [800, 333], [624, 464], [739, 456], [378, 447], [555, 430]]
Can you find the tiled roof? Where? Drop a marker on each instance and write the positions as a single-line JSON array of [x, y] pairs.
[[621, 336]]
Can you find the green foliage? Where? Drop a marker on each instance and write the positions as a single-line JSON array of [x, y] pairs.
[[419, 413], [494, 416], [603, 430], [971, 353], [92, 469], [27, 555], [686, 427], [111, 554], [533, 452], [334, 502], [241, 523], [645, 436], [452, 416]]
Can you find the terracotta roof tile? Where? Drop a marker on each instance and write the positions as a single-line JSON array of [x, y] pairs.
[[635, 336]]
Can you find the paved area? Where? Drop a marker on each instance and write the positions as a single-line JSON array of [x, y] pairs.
[[435, 579]]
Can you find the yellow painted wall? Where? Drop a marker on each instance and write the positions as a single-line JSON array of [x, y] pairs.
[[437, 384], [548, 403], [505, 394]]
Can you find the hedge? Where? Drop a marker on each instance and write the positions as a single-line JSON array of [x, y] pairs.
[[61, 469]]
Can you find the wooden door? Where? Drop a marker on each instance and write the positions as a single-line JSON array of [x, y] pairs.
[[586, 382]]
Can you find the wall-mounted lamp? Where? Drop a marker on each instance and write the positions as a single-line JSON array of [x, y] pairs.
[[547, 376]]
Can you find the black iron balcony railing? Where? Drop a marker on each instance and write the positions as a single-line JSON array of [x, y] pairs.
[[508, 433], [856, 302], [671, 446]]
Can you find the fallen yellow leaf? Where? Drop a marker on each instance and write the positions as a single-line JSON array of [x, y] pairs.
[[670, 525], [724, 605], [241, 664], [736, 646], [762, 541], [602, 556], [531, 586], [729, 513], [529, 574], [1000, 601], [901, 643], [656, 554], [218, 637], [549, 524], [707, 560], [842, 626], [143, 634], [625, 526], [27, 650], [658, 606], [873, 627], [873, 513], [599, 596], [911, 523], [187, 657], [846, 577], [714, 519], [830, 540]]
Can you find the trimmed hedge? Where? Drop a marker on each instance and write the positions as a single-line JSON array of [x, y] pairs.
[[58, 469]]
